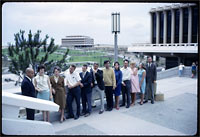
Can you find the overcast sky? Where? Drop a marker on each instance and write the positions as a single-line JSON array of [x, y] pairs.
[[91, 19]]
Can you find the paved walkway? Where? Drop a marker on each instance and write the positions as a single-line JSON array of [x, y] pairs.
[[177, 115]]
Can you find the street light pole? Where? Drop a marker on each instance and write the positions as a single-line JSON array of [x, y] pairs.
[[115, 30], [116, 47]]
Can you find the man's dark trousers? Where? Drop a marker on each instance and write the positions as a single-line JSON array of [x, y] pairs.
[[30, 113], [126, 92], [109, 96], [74, 93], [86, 98]]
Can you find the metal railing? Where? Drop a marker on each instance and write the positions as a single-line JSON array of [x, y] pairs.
[[165, 48]]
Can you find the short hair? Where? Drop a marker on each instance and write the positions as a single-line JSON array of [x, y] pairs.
[[41, 67], [106, 61], [73, 66], [28, 70], [126, 60], [56, 67], [96, 63], [85, 65]]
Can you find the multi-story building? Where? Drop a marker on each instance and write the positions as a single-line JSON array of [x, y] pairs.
[[77, 41], [174, 24], [173, 34]]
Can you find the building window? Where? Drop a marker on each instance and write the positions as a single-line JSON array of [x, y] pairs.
[[185, 25], [194, 24], [177, 19], [169, 20], [161, 26], [154, 28]]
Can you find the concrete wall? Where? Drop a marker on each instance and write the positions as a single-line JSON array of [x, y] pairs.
[[173, 72]]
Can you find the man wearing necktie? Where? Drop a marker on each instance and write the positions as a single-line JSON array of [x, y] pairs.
[[151, 75], [28, 89], [86, 91]]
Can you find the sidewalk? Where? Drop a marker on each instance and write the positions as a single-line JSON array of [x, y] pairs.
[[177, 115]]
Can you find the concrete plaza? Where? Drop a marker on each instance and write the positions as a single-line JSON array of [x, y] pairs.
[[176, 115]]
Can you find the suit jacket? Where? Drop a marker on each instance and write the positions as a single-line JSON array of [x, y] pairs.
[[28, 88], [99, 78], [86, 81], [151, 73]]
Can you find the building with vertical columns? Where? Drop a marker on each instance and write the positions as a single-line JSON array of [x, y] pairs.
[[174, 24], [173, 34]]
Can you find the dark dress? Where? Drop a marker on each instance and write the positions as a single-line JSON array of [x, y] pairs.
[[118, 77], [59, 87]]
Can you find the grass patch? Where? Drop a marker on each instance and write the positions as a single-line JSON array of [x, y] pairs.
[[77, 56]]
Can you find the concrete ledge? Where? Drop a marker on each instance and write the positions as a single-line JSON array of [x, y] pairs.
[[26, 127]]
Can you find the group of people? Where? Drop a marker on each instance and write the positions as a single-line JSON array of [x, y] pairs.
[[81, 86]]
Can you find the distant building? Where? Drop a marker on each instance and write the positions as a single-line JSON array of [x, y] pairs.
[[77, 41], [173, 35], [174, 24]]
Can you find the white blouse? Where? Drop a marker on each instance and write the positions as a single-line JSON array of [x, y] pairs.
[[42, 82]]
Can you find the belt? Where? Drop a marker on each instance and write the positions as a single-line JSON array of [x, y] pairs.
[[126, 80]]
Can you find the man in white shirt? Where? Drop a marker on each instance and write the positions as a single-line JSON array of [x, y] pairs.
[[180, 68], [73, 81], [126, 84]]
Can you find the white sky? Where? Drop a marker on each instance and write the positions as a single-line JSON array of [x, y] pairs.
[[91, 19]]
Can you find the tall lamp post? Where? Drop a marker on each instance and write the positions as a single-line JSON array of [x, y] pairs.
[[115, 30]]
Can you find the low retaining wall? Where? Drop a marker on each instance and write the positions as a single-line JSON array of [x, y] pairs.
[[173, 72]]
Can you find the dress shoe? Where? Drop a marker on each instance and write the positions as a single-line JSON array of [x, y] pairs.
[[82, 114], [100, 112], [68, 117], [94, 106], [76, 117], [107, 109], [122, 105], [86, 115], [127, 106], [145, 101]]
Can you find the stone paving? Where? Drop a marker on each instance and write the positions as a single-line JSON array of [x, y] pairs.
[[177, 115]]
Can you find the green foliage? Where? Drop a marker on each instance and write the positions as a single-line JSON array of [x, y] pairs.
[[33, 51]]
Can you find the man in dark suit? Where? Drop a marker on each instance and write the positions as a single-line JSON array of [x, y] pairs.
[[151, 75], [98, 84], [86, 91], [28, 89]]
